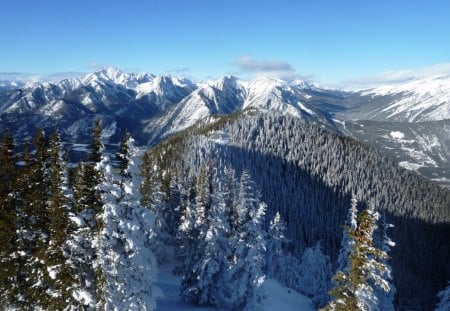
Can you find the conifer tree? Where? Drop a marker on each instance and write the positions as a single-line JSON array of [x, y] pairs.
[[353, 289], [125, 258], [185, 237], [85, 242], [8, 219], [346, 241], [206, 272], [59, 278], [245, 278], [37, 214], [189, 286], [276, 247], [315, 275]]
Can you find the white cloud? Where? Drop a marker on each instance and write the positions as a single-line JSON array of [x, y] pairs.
[[33, 77], [398, 76], [249, 66]]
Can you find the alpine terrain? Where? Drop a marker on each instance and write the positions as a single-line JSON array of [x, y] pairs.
[[125, 191]]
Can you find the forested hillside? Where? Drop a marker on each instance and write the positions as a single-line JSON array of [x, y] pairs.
[[73, 237], [308, 175], [234, 201]]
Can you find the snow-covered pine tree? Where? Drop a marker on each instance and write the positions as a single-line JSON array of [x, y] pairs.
[[346, 241], [8, 220], [444, 299], [128, 264], [185, 238], [190, 290], [35, 230], [245, 278], [59, 278], [84, 243], [353, 289], [212, 264], [276, 245], [383, 242], [315, 275]]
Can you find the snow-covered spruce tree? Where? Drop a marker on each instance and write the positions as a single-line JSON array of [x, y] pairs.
[[59, 278], [276, 245], [353, 289], [346, 241], [8, 220], [245, 278], [34, 227], [315, 275], [165, 203], [382, 241], [190, 283], [84, 243], [24, 231], [444, 299], [127, 262], [212, 264], [185, 238]]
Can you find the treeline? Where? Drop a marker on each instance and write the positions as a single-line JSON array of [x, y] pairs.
[[65, 237], [308, 174]]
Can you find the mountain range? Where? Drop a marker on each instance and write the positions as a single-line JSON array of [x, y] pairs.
[[311, 151], [408, 122]]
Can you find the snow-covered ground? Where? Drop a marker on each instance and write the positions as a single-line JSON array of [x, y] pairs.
[[278, 298]]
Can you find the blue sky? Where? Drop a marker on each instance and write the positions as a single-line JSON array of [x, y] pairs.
[[326, 41]]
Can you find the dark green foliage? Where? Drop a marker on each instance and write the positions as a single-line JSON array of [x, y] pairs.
[[122, 155], [8, 218], [35, 225], [95, 154], [365, 264]]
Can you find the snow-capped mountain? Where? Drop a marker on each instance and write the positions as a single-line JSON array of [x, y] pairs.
[[228, 95], [120, 99], [416, 100], [113, 76], [164, 91], [10, 85], [152, 107]]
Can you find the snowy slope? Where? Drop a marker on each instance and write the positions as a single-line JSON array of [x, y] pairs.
[[279, 298], [413, 101], [423, 147], [152, 107], [228, 95], [165, 90]]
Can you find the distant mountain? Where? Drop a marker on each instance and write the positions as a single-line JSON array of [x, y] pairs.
[[417, 100], [121, 100], [10, 85], [228, 95], [153, 107]]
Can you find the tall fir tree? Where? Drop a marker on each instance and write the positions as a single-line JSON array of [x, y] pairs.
[[60, 277], [315, 275], [353, 287], [37, 211], [128, 265], [276, 247], [245, 277], [85, 242], [8, 219], [190, 290], [209, 264]]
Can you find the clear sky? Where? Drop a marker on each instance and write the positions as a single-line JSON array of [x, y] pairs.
[[324, 40]]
